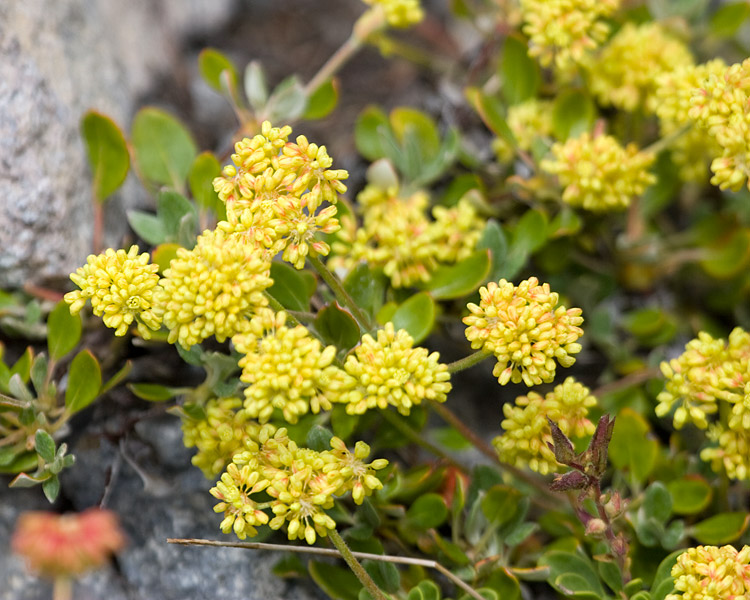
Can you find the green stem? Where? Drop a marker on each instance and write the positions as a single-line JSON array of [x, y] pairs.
[[341, 294], [356, 566], [418, 439], [279, 307], [339, 58], [666, 141], [468, 361], [62, 588]]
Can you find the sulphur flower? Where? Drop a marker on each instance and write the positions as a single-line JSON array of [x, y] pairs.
[[287, 369], [274, 191], [731, 452], [67, 545], [219, 435], [525, 329], [122, 287], [626, 72], [354, 474], [562, 31], [598, 173], [712, 572], [526, 432], [400, 13], [213, 289], [527, 121], [389, 370]]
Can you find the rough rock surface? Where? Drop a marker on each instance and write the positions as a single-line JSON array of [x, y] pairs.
[[57, 60]]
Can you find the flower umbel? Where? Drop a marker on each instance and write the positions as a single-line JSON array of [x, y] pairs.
[[122, 287], [400, 13], [598, 173], [710, 573], [67, 545], [525, 329], [213, 289], [389, 370]]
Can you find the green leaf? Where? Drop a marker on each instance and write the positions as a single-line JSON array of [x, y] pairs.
[[530, 232], [566, 222], [494, 239], [565, 564], [172, 208], [720, 529], [19, 462], [256, 88], [728, 255], [164, 253], [287, 102], [520, 73], [425, 590], [203, 171], [632, 447], [211, 64], [652, 326], [610, 573], [63, 331], [690, 495], [366, 287], [322, 101], [343, 424], [416, 315], [492, 114], [504, 583], [152, 392], [500, 503], [164, 149], [427, 511], [292, 288], [22, 480], [450, 438], [338, 582], [337, 326], [384, 574], [289, 566], [51, 488], [117, 378], [729, 18], [367, 136], [319, 438], [84, 381], [148, 227], [663, 582], [459, 280], [657, 502], [409, 122], [22, 367], [107, 152], [44, 445], [573, 113]]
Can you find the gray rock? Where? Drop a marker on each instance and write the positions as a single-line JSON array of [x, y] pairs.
[[57, 60]]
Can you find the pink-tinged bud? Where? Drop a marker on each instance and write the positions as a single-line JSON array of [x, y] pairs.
[[596, 528]]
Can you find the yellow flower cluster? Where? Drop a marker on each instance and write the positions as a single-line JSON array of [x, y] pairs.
[[213, 289], [527, 121], [692, 151], [220, 435], [721, 106], [563, 31], [273, 192], [301, 482], [599, 174], [526, 431], [710, 572], [625, 74], [709, 371], [400, 13], [287, 369], [123, 287], [389, 370], [397, 236], [525, 329]]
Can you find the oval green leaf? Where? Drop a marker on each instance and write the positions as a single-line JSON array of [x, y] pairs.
[[573, 113], [107, 152], [690, 495], [631, 446], [44, 445], [367, 136], [520, 73], [211, 64], [337, 326], [164, 148], [84, 381], [729, 18], [63, 331], [411, 123], [338, 582], [203, 171], [461, 279], [152, 392], [416, 315], [322, 101], [427, 511], [163, 255], [292, 288], [500, 503], [721, 529], [148, 227], [562, 564]]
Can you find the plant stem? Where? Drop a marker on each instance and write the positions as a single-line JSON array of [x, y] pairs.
[[278, 307], [337, 60], [401, 560], [548, 499], [98, 232], [356, 566], [62, 588], [415, 437], [618, 547], [341, 294], [664, 143], [468, 361]]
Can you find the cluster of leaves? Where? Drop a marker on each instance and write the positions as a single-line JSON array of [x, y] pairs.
[[647, 280]]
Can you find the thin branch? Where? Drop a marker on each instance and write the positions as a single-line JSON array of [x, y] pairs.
[[468, 361], [627, 381], [402, 560]]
